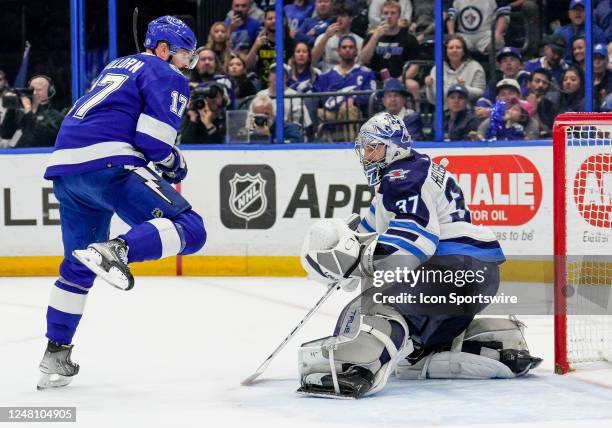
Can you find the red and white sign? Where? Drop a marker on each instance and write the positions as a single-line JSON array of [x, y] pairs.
[[593, 190], [499, 190]]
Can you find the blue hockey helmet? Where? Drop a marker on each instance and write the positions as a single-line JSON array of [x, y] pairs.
[[383, 139], [181, 40]]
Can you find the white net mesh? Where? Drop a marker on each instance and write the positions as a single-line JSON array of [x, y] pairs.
[[588, 199]]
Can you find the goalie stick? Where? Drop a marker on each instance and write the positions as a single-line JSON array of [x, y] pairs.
[[353, 222]]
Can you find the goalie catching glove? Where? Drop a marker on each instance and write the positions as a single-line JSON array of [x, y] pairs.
[[173, 168], [333, 253]]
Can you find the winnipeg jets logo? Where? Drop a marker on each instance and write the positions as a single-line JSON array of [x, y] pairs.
[[247, 196], [397, 174], [150, 180], [471, 18]]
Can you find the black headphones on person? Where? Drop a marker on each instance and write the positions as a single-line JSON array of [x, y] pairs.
[[51, 91]]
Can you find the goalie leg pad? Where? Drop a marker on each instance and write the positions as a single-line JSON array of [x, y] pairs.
[[359, 360], [455, 365], [491, 348]]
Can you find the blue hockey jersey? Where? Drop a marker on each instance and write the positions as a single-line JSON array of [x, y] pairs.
[[129, 117], [297, 14], [315, 25], [419, 211], [359, 78]]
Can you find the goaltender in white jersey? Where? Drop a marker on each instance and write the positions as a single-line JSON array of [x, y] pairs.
[[418, 222]]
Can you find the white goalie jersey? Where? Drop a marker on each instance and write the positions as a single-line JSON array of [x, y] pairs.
[[419, 211]]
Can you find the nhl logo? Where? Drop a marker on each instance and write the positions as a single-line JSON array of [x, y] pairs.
[[248, 196]]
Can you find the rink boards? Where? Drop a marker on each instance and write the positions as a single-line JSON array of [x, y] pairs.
[[257, 202]]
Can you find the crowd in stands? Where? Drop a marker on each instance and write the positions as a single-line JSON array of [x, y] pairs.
[[510, 66]]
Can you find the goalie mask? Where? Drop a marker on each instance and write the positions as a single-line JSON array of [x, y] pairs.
[[382, 140]]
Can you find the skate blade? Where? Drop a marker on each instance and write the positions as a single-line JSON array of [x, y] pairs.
[[92, 260], [48, 381], [330, 395]]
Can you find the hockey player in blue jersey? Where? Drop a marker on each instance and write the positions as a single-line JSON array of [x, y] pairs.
[[99, 168], [419, 230]]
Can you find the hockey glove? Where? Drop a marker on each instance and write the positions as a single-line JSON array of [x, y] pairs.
[[173, 168], [350, 259]]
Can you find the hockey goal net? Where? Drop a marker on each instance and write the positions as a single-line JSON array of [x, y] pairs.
[[583, 239]]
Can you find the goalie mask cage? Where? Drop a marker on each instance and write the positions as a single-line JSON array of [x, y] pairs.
[[582, 147]]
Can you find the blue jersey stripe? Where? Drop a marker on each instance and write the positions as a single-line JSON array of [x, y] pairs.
[[403, 233], [414, 227], [405, 245], [366, 225], [68, 169]]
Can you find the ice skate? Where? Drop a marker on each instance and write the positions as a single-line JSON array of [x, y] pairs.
[[56, 367], [109, 261]]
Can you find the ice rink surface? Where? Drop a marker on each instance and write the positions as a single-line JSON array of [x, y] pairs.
[[172, 352]]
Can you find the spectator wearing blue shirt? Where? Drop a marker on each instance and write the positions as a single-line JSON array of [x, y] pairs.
[[510, 63], [575, 28], [552, 60], [346, 77], [311, 28], [602, 16], [602, 77], [296, 13], [243, 28]]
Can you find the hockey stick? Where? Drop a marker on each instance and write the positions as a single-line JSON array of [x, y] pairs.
[[135, 28], [249, 380], [353, 222]]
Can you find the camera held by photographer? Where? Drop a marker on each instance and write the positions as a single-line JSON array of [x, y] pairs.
[[204, 122], [30, 120]]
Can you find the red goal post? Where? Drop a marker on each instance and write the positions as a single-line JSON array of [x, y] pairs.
[[582, 151]]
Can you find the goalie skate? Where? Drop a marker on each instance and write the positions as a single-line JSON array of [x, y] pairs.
[[352, 384], [109, 261], [56, 367]]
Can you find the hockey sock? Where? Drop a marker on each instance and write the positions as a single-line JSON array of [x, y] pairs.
[[163, 237]]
